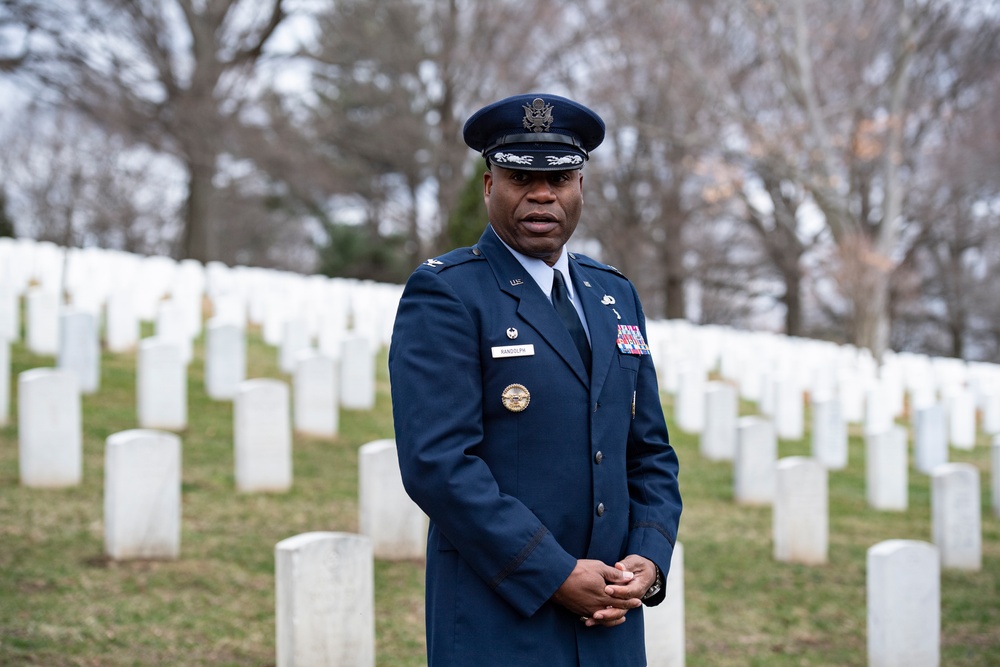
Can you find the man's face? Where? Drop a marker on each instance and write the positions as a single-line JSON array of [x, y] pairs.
[[534, 212]]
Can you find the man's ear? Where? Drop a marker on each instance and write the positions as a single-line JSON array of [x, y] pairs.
[[487, 185]]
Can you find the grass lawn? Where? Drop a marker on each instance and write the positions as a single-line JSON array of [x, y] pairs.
[[62, 602]]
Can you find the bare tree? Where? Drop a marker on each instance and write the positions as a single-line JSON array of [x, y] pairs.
[[393, 84], [858, 89], [955, 254], [75, 185], [647, 186], [176, 75]]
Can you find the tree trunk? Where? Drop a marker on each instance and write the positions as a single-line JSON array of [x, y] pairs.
[[199, 241], [793, 303], [872, 318]]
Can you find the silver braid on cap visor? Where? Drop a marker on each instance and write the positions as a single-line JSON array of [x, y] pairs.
[[536, 138]]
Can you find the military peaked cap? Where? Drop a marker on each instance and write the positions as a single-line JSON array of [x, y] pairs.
[[535, 132]]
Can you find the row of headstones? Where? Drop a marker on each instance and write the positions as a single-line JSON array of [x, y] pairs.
[[324, 581], [142, 496], [751, 442], [50, 422], [322, 385], [326, 612], [757, 361], [800, 510], [318, 575], [325, 604], [74, 337], [398, 534], [130, 288], [903, 574], [309, 574], [951, 420]]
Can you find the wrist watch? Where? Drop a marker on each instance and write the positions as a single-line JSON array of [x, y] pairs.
[[656, 587]]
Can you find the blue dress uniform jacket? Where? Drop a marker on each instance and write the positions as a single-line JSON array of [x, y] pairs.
[[585, 470]]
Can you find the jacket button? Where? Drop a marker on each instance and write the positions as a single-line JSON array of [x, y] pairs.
[[598, 457], [600, 509]]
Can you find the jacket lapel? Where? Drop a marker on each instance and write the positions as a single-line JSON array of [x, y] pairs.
[[533, 305], [602, 323]]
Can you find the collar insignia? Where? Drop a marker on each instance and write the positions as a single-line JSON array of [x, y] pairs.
[[537, 116]]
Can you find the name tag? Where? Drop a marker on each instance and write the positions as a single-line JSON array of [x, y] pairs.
[[513, 351]]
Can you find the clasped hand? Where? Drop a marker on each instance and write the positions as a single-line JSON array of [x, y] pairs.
[[601, 594]]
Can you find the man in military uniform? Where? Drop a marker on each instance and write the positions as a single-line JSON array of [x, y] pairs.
[[528, 420]]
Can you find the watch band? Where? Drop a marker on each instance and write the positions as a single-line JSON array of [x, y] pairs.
[[656, 587]]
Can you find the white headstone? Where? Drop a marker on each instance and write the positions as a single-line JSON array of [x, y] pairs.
[[121, 321], [755, 461], [4, 382], [689, 407], [142, 495], [852, 396], [962, 418], [333, 321], [294, 339], [316, 408], [42, 320], [904, 604], [922, 394], [995, 460], [263, 436], [991, 411], [80, 348], [10, 314], [718, 433], [49, 428], [789, 409], [325, 600], [886, 469], [768, 393], [357, 373], [891, 381], [829, 434], [161, 385], [396, 526], [225, 359], [930, 438], [878, 416], [172, 326], [956, 516], [664, 623], [801, 515]]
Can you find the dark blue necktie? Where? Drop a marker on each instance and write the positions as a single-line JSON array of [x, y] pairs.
[[569, 316]]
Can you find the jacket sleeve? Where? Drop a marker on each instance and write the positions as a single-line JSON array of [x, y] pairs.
[[654, 493], [435, 371]]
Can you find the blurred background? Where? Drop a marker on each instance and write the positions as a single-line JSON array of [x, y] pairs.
[[825, 170]]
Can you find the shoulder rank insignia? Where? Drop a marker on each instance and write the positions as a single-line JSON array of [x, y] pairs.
[[434, 262]]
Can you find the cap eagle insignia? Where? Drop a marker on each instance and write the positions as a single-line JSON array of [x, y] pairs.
[[537, 116]]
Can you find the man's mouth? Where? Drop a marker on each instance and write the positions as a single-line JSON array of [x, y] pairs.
[[540, 223]]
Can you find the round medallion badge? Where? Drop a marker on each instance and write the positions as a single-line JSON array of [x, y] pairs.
[[515, 397]]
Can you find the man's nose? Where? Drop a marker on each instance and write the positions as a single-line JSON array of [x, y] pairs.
[[541, 190]]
